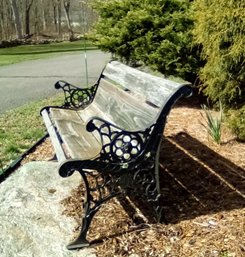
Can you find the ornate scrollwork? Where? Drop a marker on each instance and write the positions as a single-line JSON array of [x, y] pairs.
[[75, 97], [118, 145], [144, 181]]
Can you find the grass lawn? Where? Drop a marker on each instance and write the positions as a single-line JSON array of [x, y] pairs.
[[13, 55], [20, 128]]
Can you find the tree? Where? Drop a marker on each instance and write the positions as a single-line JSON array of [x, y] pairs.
[[28, 5], [154, 32], [67, 5], [45, 18], [17, 20], [221, 33]]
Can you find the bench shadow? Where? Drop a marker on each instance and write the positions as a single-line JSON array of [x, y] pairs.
[[196, 181]]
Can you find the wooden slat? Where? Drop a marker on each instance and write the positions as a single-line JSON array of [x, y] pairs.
[[91, 111], [121, 108], [64, 114], [78, 141], [53, 136], [156, 90]]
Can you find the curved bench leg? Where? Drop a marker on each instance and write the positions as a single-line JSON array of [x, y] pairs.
[[81, 240], [96, 194], [147, 185]]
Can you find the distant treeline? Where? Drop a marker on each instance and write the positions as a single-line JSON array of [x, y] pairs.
[[23, 19]]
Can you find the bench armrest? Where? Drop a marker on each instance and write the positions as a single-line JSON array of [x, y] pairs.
[[119, 145], [76, 97]]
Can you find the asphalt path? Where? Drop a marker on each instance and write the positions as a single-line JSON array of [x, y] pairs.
[[28, 81]]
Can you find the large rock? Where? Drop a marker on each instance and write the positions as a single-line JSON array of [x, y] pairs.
[[31, 220]]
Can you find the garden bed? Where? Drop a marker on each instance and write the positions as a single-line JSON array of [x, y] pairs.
[[203, 185]]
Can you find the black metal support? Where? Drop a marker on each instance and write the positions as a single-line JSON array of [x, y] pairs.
[[124, 166], [75, 97], [100, 186]]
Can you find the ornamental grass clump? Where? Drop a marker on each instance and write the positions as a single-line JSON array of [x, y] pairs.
[[213, 122]]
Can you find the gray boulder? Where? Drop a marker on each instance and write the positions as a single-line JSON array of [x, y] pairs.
[[31, 220]]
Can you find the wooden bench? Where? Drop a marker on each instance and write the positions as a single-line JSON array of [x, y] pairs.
[[111, 134]]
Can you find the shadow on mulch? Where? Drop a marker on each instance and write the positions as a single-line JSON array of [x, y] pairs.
[[195, 101], [196, 181]]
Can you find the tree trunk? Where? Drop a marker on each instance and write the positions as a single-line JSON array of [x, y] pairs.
[[27, 21], [17, 21], [59, 17], [55, 18], [2, 27], [68, 19], [44, 16], [36, 23], [27, 16]]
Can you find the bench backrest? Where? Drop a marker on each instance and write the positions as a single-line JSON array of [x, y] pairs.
[[130, 98]]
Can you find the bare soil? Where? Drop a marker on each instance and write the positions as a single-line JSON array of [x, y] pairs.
[[203, 186]]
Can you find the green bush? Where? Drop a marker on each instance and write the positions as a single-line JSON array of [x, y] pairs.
[[236, 121], [156, 33], [220, 29]]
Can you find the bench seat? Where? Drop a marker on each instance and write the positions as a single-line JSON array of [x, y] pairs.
[[78, 143]]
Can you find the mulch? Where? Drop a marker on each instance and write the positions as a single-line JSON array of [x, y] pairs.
[[203, 185]]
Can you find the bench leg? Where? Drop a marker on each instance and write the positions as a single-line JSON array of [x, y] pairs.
[[146, 181], [101, 186], [159, 203], [96, 194], [81, 240]]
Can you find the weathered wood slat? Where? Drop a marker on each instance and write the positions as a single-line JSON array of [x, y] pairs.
[[79, 142], [53, 136], [91, 111], [64, 114], [82, 147], [156, 90], [123, 109]]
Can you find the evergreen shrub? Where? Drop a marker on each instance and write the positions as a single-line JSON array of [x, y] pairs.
[[220, 29], [236, 121], [157, 33]]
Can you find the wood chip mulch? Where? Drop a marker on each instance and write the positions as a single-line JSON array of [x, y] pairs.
[[203, 185]]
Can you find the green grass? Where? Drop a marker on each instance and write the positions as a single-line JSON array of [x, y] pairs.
[[20, 128], [17, 54]]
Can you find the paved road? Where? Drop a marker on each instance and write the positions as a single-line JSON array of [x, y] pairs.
[[33, 80]]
